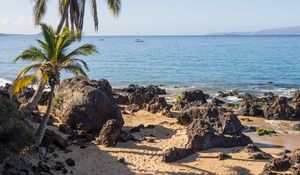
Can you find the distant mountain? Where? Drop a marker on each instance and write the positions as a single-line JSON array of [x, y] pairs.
[[5, 34], [278, 31]]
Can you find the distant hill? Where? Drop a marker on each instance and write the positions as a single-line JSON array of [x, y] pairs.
[[278, 31], [4, 34]]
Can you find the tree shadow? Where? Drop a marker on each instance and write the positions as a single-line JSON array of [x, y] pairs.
[[160, 132], [92, 161]]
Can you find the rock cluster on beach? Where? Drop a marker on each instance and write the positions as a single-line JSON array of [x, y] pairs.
[[270, 106], [211, 126], [288, 163]]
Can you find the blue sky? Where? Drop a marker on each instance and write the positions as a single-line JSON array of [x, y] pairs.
[[165, 17]]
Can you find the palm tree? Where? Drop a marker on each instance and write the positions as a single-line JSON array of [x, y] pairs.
[[72, 12], [49, 59], [72, 15]]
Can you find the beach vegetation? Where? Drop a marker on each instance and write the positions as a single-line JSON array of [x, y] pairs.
[[177, 98], [49, 59], [265, 131], [15, 135]]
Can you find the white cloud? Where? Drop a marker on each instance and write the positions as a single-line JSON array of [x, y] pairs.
[[3, 20], [23, 20]]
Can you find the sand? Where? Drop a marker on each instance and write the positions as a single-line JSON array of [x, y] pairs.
[[145, 157]]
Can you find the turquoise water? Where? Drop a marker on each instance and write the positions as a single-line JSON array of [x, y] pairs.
[[252, 63]]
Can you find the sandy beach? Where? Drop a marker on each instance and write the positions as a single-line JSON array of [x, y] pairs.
[[145, 157]]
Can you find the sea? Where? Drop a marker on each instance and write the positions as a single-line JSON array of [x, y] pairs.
[[254, 64]]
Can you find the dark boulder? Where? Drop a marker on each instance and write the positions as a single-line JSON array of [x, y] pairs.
[[285, 163], [51, 137], [279, 110], [295, 103], [157, 104], [217, 101], [230, 93], [251, 148], [222, 120], [249, 109], [70, 162], [193, 96], [202, 135], [174, 154], [260, 156], [110, 133], [223, 156], [120, 99], [64, 128], [86, 104], [248, 97]]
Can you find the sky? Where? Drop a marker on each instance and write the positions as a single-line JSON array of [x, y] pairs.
[[164, 17]]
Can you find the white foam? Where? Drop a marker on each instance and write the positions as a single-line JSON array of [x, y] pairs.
[[4, 81]]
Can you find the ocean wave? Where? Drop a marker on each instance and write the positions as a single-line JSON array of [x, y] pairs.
[[4, 81]]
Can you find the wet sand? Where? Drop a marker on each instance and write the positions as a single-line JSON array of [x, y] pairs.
[[285, 137]]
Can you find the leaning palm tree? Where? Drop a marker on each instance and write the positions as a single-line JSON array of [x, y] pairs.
[[49, 59], [72, 12], [72, 15]]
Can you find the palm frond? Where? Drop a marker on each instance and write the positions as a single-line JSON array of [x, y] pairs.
[[75, 68], [114, 6], [39, 10], [32, 54], [86, 49], [25, 70], [23, 82], [75, 61]]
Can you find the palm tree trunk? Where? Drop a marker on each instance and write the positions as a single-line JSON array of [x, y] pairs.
[[63, 17], [42, 128], [33, 103]]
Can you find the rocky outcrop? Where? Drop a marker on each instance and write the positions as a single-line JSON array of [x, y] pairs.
[[174, 154], [202, 136], [110, 133], [295, 103], [193, 96], [85, 104], [158, 104], [247, 108], [279, 110], [212, 126], [51, 137], [227, 94], [287, 163], [222, 120]]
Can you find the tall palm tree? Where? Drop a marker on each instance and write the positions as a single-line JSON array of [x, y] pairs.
[[72, 12], [49, 59]]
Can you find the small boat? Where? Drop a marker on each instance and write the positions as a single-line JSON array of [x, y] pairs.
[[139, 41]]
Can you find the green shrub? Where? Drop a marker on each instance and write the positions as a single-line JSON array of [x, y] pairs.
[[177, 98], [265, 131], [14, 132]]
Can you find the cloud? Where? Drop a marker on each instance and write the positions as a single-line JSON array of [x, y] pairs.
[[3, 20], [23, 20]]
